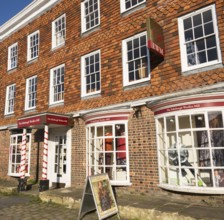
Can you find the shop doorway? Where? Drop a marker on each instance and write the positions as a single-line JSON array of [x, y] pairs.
[[59, 158]]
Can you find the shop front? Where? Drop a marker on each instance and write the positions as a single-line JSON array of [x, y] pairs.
[[190, 142], [56, 153]]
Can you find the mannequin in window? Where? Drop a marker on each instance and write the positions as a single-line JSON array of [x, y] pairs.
[[173, 156], [217, 140]]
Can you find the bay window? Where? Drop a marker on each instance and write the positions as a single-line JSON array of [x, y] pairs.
[[191, 149], [107, 151]]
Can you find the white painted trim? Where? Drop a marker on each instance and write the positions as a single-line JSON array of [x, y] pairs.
[[35, 9]]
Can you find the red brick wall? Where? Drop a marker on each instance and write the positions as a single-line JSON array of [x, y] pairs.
[[114, 27]]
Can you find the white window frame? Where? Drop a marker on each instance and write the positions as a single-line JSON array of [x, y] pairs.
[[83, 16], [59, 31], [123, 7], [125, 62], [14, 166], [10, 99], [31, 93], [183, 47], [35, 54], [54, 87], [163, 146], [84, 91], [13, 56], [96, 139]]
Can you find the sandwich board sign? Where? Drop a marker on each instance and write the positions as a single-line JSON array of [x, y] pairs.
[[98, 195]]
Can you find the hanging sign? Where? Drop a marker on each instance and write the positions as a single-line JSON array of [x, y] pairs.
[[98, 195], [155, 37]]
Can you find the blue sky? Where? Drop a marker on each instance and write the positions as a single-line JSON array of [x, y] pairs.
[[9, 8]]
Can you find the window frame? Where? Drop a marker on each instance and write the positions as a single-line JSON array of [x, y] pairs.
[[10, 163], [114, 137], [83, 74], [183, 54], [32, 93], [125, 61], [83, 17], [30, 55], [10, 101], [10, 57], [52, 90], [165, 134], [54, 33], [124, 9]]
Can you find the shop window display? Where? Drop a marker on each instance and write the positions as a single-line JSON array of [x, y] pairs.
[[191, 149], [107, 151], [15, 154]]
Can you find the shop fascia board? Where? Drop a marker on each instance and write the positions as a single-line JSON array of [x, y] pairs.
[[27, 15], [149, 101]]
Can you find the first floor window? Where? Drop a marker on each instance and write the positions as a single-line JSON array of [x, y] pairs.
[[107, 151], [31, 93], [129, 4], [191, 149], [90, 73], [10, 99], [57, 84], [199, 39], [12, 56], [15, 154], [135, 59]]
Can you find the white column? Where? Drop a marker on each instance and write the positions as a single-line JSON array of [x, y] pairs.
[[45, 153], [23, 156]]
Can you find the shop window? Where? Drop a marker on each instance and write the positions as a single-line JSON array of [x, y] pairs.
[[90, 14], [129, 4], [199, 39], [57, 84], [135, 59], [191, 149], [107, 151], [15, 154], [10, 99], [12, 56], [33, 46], [90, 71], [31, 93], [58, 31]]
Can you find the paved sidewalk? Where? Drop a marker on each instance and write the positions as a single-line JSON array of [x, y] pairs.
[[161, 206]]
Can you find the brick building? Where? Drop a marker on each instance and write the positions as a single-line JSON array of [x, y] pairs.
[[130, 88]]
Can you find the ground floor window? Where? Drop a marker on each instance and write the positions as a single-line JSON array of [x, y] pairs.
[[191, 149], [107, 151], [15, 154]]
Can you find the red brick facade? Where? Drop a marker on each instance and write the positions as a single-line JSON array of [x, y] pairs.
[[166, 78]]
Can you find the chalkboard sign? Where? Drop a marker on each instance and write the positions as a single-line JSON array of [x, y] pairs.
[[98, 195]]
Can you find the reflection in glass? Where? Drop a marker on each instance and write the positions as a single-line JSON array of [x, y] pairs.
[[170, 123]]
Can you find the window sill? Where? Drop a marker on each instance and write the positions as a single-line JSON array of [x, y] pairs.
[[193, 190], [90, 96], [56, 104], [136, 85], [131, 10], [29, 110], [12, 70], [32, 60], [90, 31], [202, 69], [57, 47], [116, 183]]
